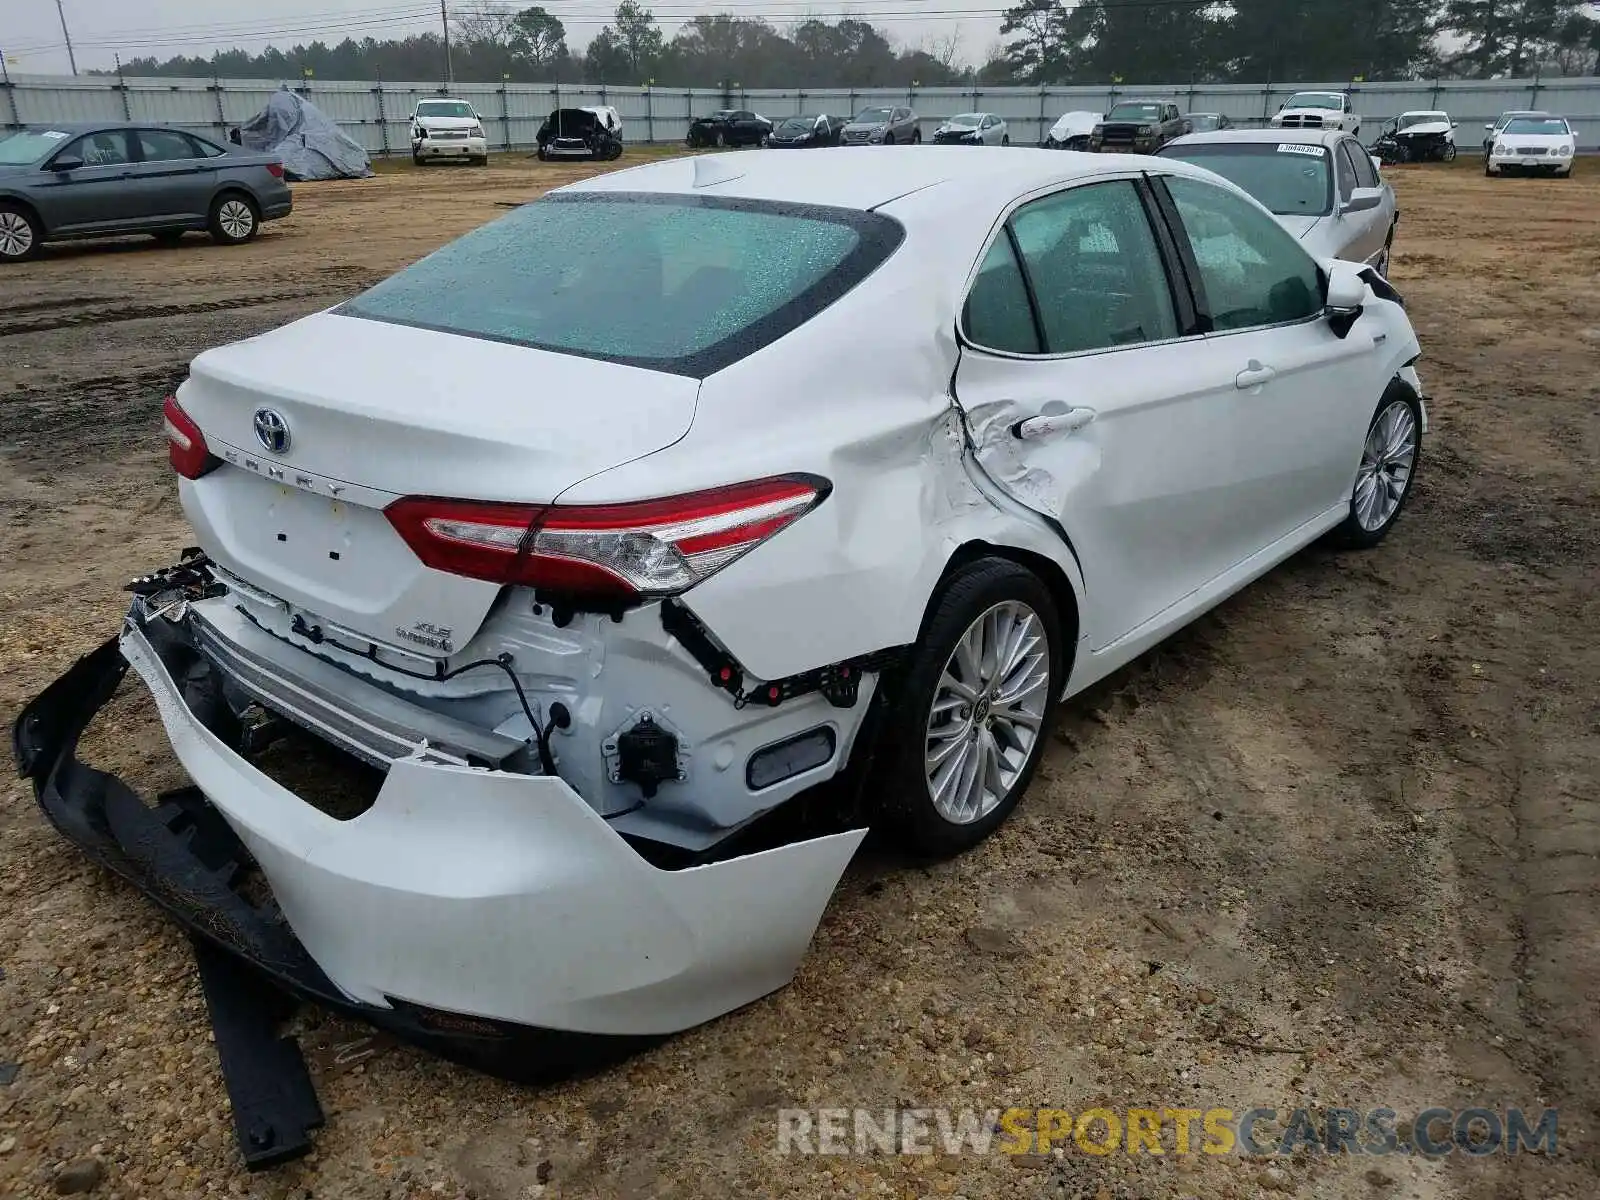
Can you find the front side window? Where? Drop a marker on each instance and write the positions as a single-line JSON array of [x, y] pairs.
[[685, 284], [1096, 271], [1347, 172], [1366, 173], [1253, 271], [108, 149], [164, 145], [1292, 179]]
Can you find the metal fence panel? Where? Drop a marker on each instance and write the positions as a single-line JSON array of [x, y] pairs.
[[376, 114]]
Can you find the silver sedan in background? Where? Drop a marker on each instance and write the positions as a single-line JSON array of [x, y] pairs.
[[101, 179], [1322, 185]]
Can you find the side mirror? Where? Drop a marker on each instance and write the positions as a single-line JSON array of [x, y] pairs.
[[1362, 200], [66, 162], [1377, 163], [1455, 124], [1345, 297], [1490, 127]]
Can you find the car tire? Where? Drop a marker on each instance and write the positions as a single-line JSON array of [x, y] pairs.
[[20, 233], [1567, 174], [719, 139], [417, 159], [481, 162], [1449, 152], [916, 138], [234, 219], [1386, 476], [1005, 139], [888, 139], [930, 807]]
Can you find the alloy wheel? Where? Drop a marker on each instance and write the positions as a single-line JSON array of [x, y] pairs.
[[988, 712], [236, 219], [1387, 459], [16, 235]]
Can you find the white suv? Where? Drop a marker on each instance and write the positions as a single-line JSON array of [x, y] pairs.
[[1318, 110], [447, 129]]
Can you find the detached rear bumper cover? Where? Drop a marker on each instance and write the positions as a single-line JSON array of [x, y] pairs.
[[473, 911]]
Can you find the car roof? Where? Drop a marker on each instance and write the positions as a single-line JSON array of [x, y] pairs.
[[71, 127], [869, 177], [1321, 137], [1142, 100]]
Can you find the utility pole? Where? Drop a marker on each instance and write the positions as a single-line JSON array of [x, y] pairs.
[[444, 20], [62, 13]]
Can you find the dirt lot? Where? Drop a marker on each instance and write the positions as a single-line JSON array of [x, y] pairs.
[[1334, 845]]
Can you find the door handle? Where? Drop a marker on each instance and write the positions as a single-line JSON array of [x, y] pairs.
[[1045, 426], [1253, 376]]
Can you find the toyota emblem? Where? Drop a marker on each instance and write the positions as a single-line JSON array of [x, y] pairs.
[[272, 431]]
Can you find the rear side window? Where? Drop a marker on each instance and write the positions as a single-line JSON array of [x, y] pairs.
[[1095, 268], [998, 315], [686, 284], [165, 145]]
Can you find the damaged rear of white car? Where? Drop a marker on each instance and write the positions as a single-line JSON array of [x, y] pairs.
[[609, 531]]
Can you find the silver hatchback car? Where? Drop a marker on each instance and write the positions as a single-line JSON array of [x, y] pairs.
[[1322, 185]]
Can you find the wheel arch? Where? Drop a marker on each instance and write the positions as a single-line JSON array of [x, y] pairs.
[[234, 188], [19, 201], [1048, 571]]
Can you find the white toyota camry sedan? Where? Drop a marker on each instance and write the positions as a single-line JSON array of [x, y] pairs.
[[610, 530]]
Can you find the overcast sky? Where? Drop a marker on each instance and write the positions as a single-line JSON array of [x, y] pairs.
[[30, 31]]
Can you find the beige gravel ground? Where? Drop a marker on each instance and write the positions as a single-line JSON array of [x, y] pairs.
[[1335, 844]]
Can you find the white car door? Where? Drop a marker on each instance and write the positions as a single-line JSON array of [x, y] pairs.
[[1358, 237], [1091, 398], [1305, 394]]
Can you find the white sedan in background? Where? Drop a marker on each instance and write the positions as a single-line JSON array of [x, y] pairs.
[[1322, 186], [605, 560], [1533, 145], [972, 129]]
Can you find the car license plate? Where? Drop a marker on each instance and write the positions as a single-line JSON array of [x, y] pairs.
[[1530, 162]]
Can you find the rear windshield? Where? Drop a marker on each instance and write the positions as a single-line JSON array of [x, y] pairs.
[[686, 284], [1289, 178]]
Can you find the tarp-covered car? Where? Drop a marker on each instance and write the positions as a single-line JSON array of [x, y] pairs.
[[592, 133], [305, 138]]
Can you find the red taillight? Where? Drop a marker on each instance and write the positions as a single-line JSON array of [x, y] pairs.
[[275, 170], [186, 445], [646, 548]]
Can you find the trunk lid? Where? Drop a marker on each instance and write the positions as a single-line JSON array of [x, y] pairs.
[[357, 413]]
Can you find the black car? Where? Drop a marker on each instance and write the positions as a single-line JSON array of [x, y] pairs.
[[802, 132], [730, 127], [1138, 127], [592, 133]]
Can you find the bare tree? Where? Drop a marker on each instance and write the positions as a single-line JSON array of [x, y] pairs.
[[485, 23]]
